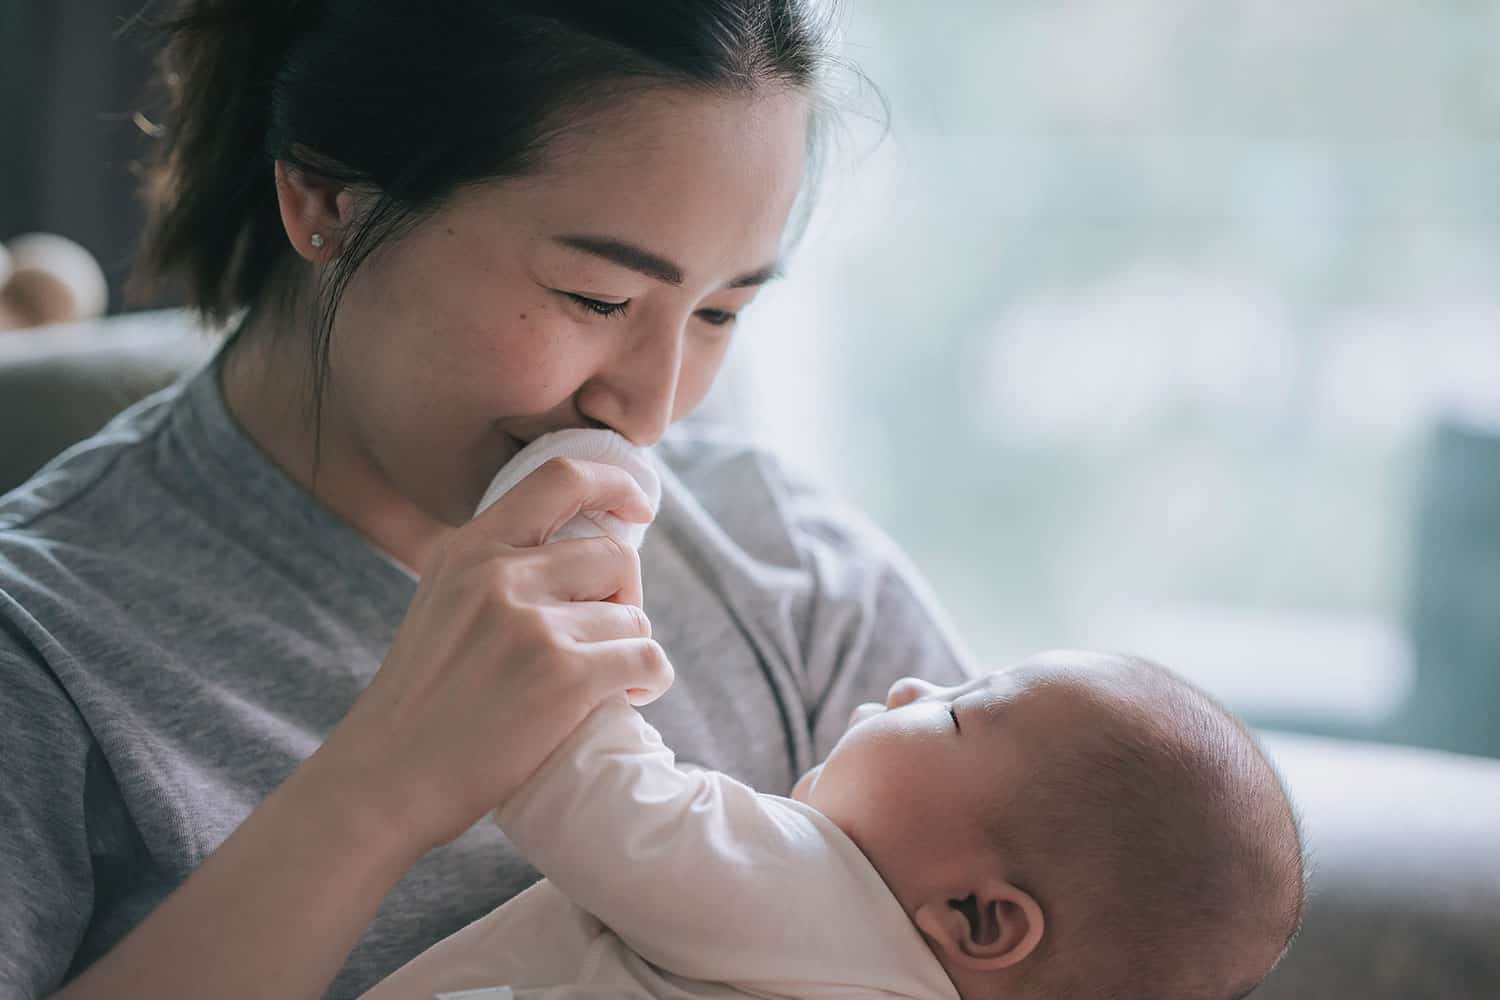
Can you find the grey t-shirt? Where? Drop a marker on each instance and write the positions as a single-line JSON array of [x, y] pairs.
[[181, 625]]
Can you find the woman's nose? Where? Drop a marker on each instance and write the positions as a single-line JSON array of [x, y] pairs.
[[640, 387], [907, 690]]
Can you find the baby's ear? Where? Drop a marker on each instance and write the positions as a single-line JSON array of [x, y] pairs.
[[994, 927]]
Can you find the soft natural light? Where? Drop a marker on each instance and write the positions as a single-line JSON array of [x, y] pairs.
[[1143, 342]]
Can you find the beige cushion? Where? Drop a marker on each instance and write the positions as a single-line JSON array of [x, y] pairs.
[[59, 384], [1405, 848]]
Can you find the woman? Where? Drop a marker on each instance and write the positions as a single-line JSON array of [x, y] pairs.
[[264, 676]]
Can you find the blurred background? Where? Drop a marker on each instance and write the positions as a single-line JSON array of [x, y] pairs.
[[1150, 324], [1175, 327]]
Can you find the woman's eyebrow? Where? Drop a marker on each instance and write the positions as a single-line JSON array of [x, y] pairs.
[[654, 265]]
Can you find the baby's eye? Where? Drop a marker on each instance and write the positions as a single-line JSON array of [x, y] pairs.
[[953, 714]]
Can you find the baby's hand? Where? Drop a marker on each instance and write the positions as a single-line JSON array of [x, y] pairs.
[[799, 790]]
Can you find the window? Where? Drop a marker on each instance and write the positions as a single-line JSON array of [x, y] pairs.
[[1144, 327]]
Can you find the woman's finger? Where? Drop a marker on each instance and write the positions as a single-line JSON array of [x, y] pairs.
[[557, 492], [600, 621], [637, 666], [602, 568]]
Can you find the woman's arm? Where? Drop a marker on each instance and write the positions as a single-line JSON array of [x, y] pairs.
[[274, 911], [507, 646]]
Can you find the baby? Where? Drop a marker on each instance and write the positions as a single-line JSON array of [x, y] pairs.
[[1079, 826], [1082, 825]]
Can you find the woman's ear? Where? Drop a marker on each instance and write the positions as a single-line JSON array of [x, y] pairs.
[[314, 210], [994, 927]]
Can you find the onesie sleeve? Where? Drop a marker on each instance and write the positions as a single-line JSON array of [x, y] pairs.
[[699, 874]]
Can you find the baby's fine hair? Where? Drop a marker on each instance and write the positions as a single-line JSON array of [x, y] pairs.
[[1162, 847]]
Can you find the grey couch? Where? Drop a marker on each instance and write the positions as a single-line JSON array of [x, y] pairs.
[[1405, 843]]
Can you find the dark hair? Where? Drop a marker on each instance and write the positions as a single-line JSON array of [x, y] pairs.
[[1156, 845], [408, 99]]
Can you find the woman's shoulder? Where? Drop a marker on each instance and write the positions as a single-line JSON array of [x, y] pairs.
[[59, 386], [766, 503], [85, 468], [73, 536], [700, 453]]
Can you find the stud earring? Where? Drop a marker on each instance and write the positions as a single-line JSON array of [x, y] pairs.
[[316, 241]]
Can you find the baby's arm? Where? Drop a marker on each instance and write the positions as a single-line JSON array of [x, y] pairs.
[[696, 872]]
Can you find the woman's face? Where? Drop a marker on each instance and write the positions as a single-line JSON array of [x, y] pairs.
[[603, 290]]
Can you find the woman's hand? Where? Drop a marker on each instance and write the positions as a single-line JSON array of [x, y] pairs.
[[507, 646]]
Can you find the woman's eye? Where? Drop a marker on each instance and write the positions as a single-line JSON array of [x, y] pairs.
[[598, 308], [717, 317]]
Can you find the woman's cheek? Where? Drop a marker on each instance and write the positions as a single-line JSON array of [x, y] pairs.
[[539, 365], [699, 370]]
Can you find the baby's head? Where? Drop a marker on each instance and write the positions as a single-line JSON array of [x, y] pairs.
[[1080, 825]]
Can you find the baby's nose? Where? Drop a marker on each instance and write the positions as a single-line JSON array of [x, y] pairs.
[[907, 690]]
